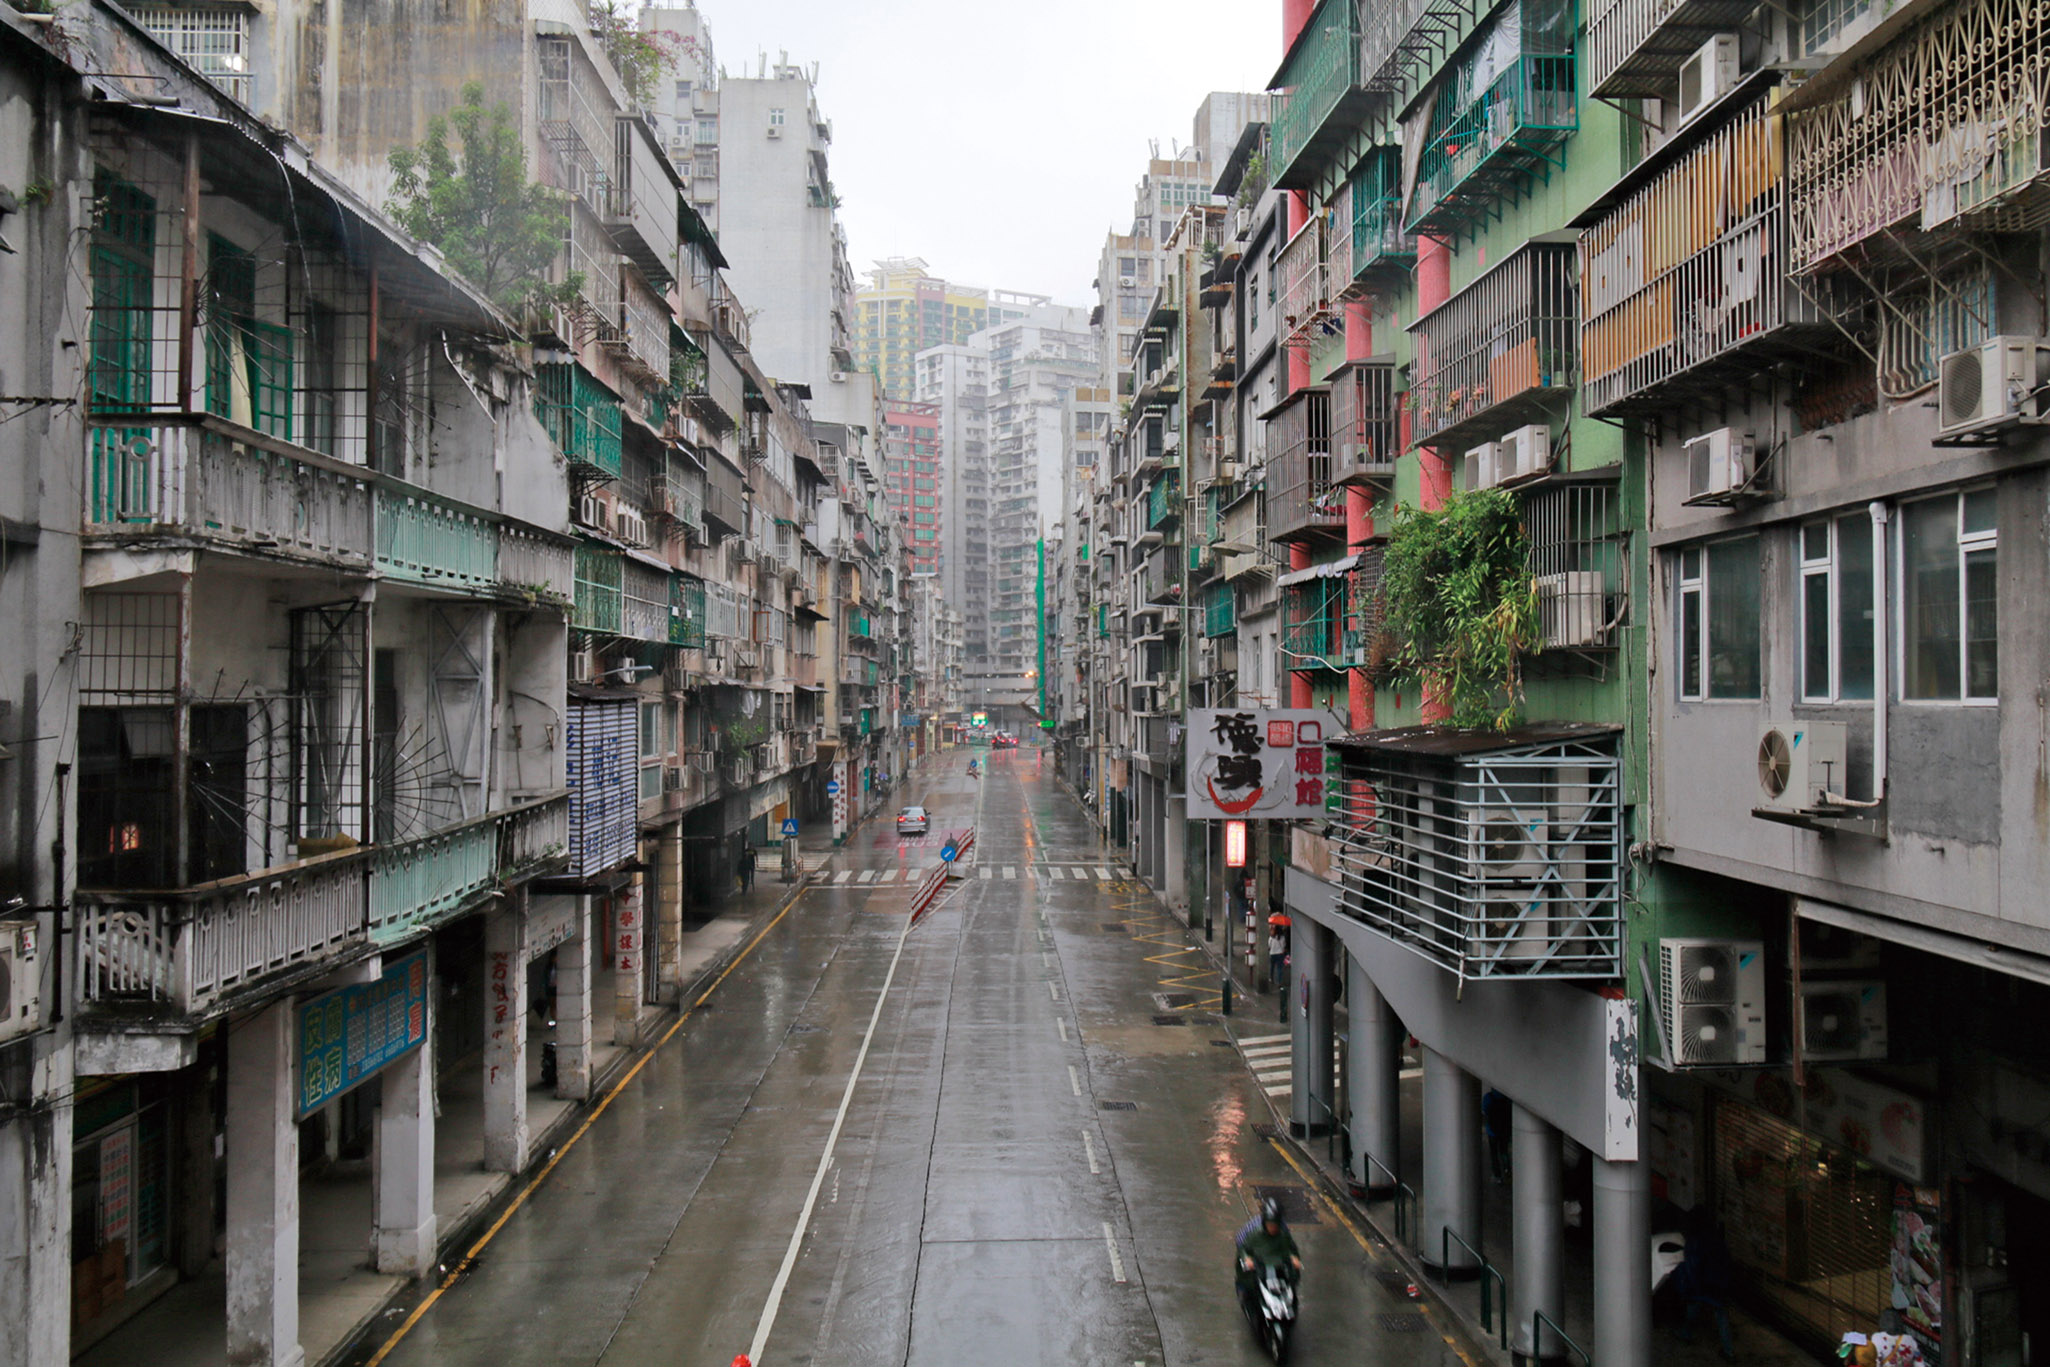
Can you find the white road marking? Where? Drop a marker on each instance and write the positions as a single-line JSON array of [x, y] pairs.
[[1282, 1090], [1117, 1264], [1062, 1022], [1262, 1039], [1045, 959], [1053, 990], [811, 1198], [1104, 874], [1074, 1080], [1010, 872], [985, 871], [843, 875], [1089, 1147]]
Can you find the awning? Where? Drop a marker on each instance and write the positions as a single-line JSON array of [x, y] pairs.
[[2016, 963], [1454, 741], [1326, 570], [654, 562]]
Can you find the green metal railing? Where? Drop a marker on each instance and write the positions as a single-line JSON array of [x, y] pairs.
[[601, 587], [1540, 1320], [1164, 500], [1220, 610], [1494, 1286], [1324, 69], [687, 612], [1485, 145], [581, 415], [1378, 241], [425, 541], [421, 880], [1312, 613]]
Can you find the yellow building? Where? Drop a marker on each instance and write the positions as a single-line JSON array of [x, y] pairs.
[[904, 308]]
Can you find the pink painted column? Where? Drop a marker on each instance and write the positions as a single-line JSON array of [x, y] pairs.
[[1433, 287]]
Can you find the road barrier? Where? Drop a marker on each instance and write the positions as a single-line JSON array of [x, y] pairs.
[[936, 882]]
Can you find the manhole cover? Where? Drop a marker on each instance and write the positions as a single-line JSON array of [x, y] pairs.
[[1295, 1203], [1170, 1001], [1402, 1321], [1170, 1020], [1114, 927], [1117, 1105]]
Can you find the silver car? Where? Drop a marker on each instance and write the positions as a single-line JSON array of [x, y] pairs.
[[912, 821]]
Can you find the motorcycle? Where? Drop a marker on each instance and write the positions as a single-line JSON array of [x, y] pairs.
[[1270, 1307]]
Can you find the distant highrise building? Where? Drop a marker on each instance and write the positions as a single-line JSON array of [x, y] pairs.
[[955, 380], [911, 453], [904, 309], [685, 103]]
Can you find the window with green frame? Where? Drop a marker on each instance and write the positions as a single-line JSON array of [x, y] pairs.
[[248, 362], [124, 243]]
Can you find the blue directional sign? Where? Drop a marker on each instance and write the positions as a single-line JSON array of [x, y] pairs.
[[790, 825], [832, 787], [949, 853]]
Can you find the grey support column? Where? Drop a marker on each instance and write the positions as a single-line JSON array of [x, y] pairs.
[[1540, 1281], [668, 946], [402, 1223], [1452, 1165], [1374, 1066], [263, 1192], [573, 1008], [1312, 1106], [505, 1037], [1622, 1265]]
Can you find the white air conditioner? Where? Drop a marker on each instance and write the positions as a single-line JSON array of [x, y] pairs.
[[1514, 924], [631, 526], [1993, 383], [1478, 467], [1509, 846], [1708, 75], [21, 979], [1798, 762], [672, 780], [1525, 452], [1717, 463], [1126, 282], [775, 130], [592, 513], [583, 666], [837, 376], [1843, 1020], [1712, 996], [1571, 606], [1228, 471]]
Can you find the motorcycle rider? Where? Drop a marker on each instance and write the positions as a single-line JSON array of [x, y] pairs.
[[1265, 1242]]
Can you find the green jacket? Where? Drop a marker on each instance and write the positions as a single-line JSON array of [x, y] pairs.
[[1265, 1249]]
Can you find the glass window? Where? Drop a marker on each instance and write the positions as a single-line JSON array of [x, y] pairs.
[[1836, 609], [651, 730], [1719, 649], [1949, 614]]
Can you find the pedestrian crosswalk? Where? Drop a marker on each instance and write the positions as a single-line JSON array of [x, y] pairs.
[[905, 873], [912, 873], [1273, 1066]]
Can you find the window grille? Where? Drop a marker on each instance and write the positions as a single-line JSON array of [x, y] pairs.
[[600, 579], [213, 42], [1498, 351], [581, 416], [1381, 250], [1635, 47], [1578, 560], [1302, 501]]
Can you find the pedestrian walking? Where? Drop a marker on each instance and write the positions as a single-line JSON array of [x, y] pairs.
[[747, 866], [1277, 952], [1704, 1279]]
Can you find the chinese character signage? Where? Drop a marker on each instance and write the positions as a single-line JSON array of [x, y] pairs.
[[349, 1034], [1260, 765]]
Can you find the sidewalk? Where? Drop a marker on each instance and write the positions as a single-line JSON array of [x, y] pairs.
[[339, 1294]]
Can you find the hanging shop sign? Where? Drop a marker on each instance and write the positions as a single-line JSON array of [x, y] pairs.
[[1885, 1127], [351, 1033], [1258, 764]]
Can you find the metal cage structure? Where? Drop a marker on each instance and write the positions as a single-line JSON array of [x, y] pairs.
[[1500, 351], [1303, 502], [1493, 855]]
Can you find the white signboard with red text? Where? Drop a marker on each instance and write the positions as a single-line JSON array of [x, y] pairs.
[[1258, 764]]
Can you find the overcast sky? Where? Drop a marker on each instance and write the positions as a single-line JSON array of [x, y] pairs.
[[1000, 141]]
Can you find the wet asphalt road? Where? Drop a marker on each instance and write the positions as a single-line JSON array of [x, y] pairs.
[[1029, 1169]]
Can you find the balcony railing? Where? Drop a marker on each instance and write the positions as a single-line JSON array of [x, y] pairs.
[[1684, 283], [1487, 142], [600, 586], [1636, 47], [1382, 253], [1164, 501], [1366, 427], [1322, 93], [537, 562], [1944, 126], [425, 540], [1402, 40], [1303, 499], [195, 952], [687, 612], [1306, 295], [1499, 864], [575, 116], [642, 342], [1501, 348], [1312, 624], [581, 415], [644, 603]]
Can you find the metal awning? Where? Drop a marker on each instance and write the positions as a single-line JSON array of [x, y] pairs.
[[1327, 570], [1453, 742]]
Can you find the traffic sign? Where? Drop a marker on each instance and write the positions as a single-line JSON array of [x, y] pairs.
[[949, 853], [832, 787], [790, 825]]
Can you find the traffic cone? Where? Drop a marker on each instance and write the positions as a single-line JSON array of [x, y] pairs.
[[741, 1360]]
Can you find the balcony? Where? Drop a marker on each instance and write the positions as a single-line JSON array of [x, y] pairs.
[[1306, 297], [1220, 610], [197, 953], [725, 505], [1322, 97], [687, 612], [582, 417], [429, 541], [1492, 855], [644, 602], [1499, 352], [1941, 127], [537, 565], [640, 203], [1382, 253], [575, 116], [641, 342], [1366, 428], [1636, 47], [1685, 284], [1164, 501], [1405, 39], [1487, 143], [1303, 501], [1313, 620], [1160, 580], [600, 591]]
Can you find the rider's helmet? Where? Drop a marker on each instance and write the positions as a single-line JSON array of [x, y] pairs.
[[1270, 1212]]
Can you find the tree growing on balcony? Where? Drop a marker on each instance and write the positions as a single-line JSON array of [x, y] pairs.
[[1462, 605], [499, 230]]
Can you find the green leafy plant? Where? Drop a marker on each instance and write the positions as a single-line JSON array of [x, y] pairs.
[[639, 56], [1253, 183], [741, 735], [1462, 605], [474, 202]]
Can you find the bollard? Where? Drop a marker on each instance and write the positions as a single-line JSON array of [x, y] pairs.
[[1226, 1008]]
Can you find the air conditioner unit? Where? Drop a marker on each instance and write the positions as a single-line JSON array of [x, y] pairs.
[[672, 780], [1477, 468], [1509, 846], [1525, 452], [1515, 927], [1798, 762], [631, 526], [591, 511], [1998, 381], [838, 377], [583, 665], [21, 979], [1126, 282], [1712, 996], [775, 130], [1708, 75], [1571, 604], [1228, 471], [1717, 463], [1843, 1020]]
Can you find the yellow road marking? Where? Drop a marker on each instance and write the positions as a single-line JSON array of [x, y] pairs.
[[1315, 1190], [406, 1327]]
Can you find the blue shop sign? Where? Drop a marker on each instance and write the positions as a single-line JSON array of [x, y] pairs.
[[351, 1033]]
